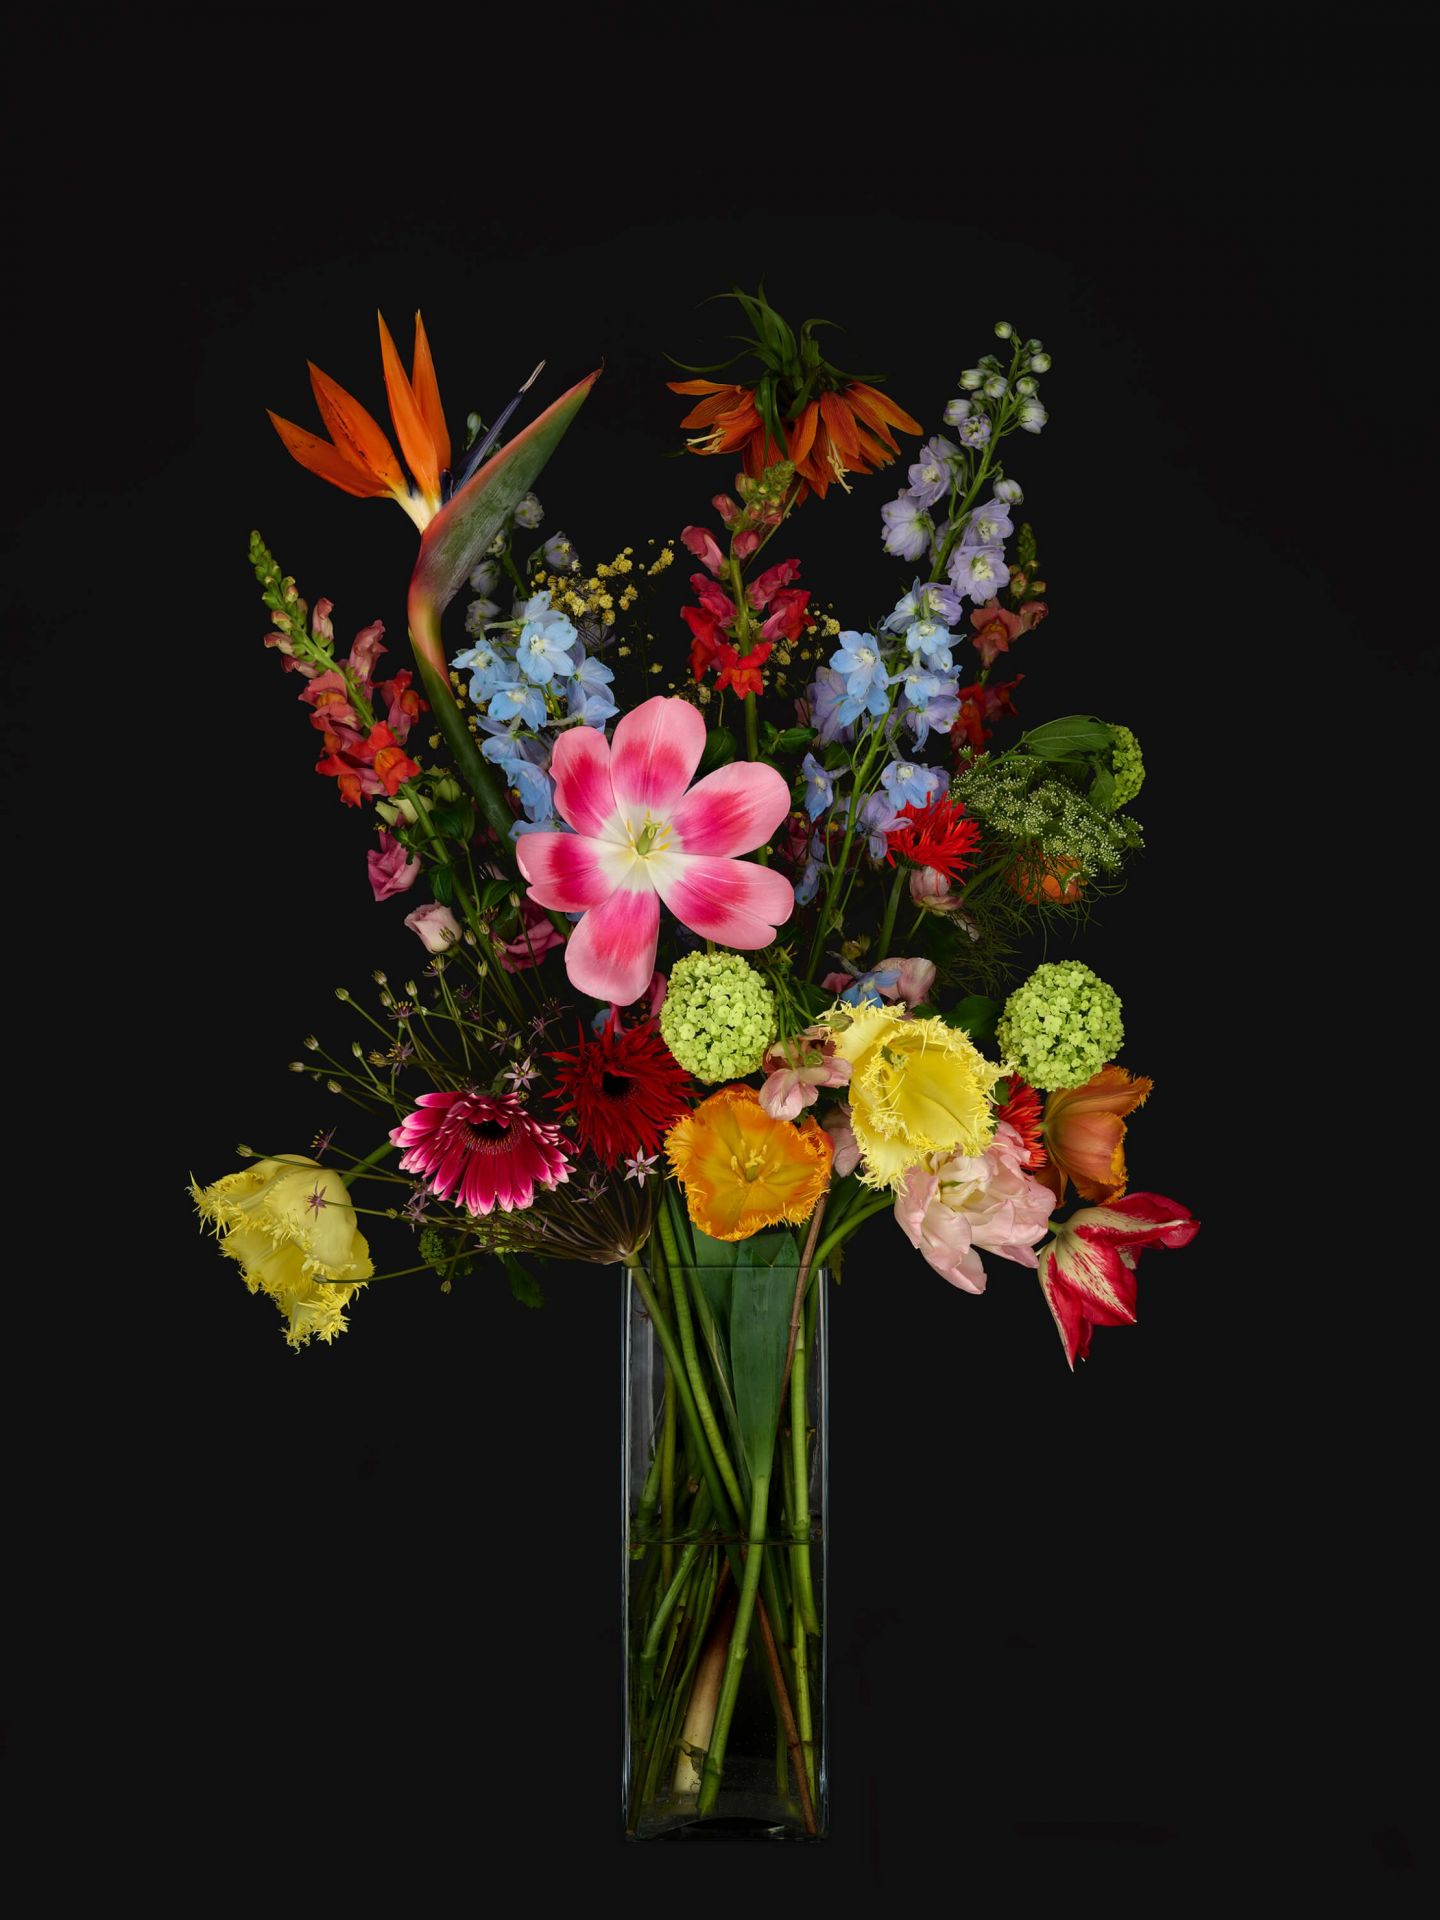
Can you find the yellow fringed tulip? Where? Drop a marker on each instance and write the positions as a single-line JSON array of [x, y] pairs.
[[290, 1226], [917, 1087]]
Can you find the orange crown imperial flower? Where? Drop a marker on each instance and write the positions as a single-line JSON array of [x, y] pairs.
[[358, 457], [743, 1171], [799, 408]]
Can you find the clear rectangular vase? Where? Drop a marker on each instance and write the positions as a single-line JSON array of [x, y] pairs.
[[724, 1731]]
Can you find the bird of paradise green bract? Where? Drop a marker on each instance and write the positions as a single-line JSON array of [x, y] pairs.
[[457, 523]]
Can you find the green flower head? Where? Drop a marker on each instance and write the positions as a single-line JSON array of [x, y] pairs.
[[1061, 1026], [718, 1017], [1126, 767]]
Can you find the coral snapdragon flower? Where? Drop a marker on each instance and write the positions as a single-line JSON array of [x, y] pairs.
[[358, 457], [642, 834], [743, 1171]]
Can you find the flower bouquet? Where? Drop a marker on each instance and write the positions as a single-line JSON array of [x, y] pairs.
[[720, 960]]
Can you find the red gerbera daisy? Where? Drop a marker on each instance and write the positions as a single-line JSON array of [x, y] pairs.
[[940, 835], [1023, 1110], [625, 1090], [481, 1147]]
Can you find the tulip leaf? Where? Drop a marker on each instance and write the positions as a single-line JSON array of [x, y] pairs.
[[976, 1016], [462, 532], [720, 748], [763, 1292], [1075, 733], [494, 893]]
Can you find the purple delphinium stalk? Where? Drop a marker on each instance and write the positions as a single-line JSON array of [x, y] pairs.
[[907, 527]]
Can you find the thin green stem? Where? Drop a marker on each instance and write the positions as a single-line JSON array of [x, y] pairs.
[[853, 1220], [371, 1159], [892, 907], [739, 1648], [685, 1326], [800, 1570]]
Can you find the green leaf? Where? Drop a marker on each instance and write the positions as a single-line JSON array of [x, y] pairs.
[[719, 751], [495, 893], [786, 740], [835, 756], [456, 818], [523, 1284], [461, 532], [976, 1016], [763, 1289], [1102, 791], [1076, 733], [442, 885]]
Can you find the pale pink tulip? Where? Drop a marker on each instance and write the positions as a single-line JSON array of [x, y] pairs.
[[643, 835], [847, 1148], [986, 1201]]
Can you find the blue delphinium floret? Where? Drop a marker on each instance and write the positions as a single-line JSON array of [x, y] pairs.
[[819, 787], [907, 527]]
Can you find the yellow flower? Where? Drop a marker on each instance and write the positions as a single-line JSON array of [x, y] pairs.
[[741, 1170], [917, 1087], [292, 1229]]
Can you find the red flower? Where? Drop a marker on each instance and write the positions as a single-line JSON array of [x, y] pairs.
[[1087, 1271], [742, 675], [482, 1148], [764, 587], [842, 432], [625, 1090], [995, 627], [707, 636], [786, 620], [940, 835], [1023, 1111], [979, 705]]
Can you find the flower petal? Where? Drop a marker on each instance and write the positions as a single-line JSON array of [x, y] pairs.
[[320, 457], [732, 810], [410, 428], [427, 393], [355, 433], [611, 954], [567, 871], [731, 901], [584, 798], [654, 754], [1140, 1219]]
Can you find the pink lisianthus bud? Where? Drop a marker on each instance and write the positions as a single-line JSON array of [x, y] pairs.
[[932, 890], [538, 937], [847, 1148], [436, 926], [915, 979], [797, 1069], [988, 1200], [392, 868], [702, 543]]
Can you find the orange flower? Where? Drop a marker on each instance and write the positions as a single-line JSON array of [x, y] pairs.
[[847, 431], [1084, 1133], [741, 1170], [358, 458]]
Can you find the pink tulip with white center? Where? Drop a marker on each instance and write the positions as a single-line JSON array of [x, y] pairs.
[[643, 834]]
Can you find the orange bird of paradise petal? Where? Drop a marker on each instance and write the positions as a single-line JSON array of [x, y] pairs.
[[743, 1171], [358, 457], [1084, 1134]]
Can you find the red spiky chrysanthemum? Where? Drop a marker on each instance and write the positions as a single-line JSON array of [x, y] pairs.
[[1023, 1110], [940, 835], [624, 1088]]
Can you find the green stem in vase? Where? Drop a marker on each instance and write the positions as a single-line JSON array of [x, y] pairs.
[[739, 1647], [680, 1291], [800, 1569]]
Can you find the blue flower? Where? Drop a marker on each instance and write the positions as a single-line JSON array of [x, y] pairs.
[[868, 989], [920, 684], [515, 701], [926, 600], [859, 662], [560, 556], [819, 787], [941, 712], [930, 638], [825, 696], [878, 817], [975, 430], [990, 526], [978, 573], [809, 881], [875, 702], [909, 785], [543, 649]]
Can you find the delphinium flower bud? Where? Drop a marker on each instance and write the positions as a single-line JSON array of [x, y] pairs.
[[1026, 387], [1040, 363], [995, 387], [972, 379], [1003, 329], [529, 513], [1032, 416], [958, 411], [1010, 491]]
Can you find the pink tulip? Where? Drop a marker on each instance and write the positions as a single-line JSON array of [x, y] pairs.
[[436, 926], [642, 834], [392, 868], [986, 1201]]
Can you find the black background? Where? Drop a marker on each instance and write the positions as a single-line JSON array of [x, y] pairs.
[[358, 1605]]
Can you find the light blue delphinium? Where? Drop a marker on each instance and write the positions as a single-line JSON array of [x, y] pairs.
[[529, 513], [910, 785], [878, 817], [868, 989], [589, 694], [990, 526], [975, 430], [819, 787], [545, 648], [825, 696], [979, 573], [941, 713], [930, 638], [514, 700], [860, 663], [926, 600]]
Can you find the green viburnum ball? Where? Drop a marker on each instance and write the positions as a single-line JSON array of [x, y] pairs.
[[1061, 1026], [718, 1017], [1126, 766]]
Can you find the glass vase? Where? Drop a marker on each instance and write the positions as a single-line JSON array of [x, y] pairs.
[[691, 1526]]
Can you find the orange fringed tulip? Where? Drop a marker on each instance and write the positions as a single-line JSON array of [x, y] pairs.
[[1084, 1134], [743, 1171], [358, 457]]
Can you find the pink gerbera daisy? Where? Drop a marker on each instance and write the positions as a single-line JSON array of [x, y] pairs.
[[482, 1148]]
